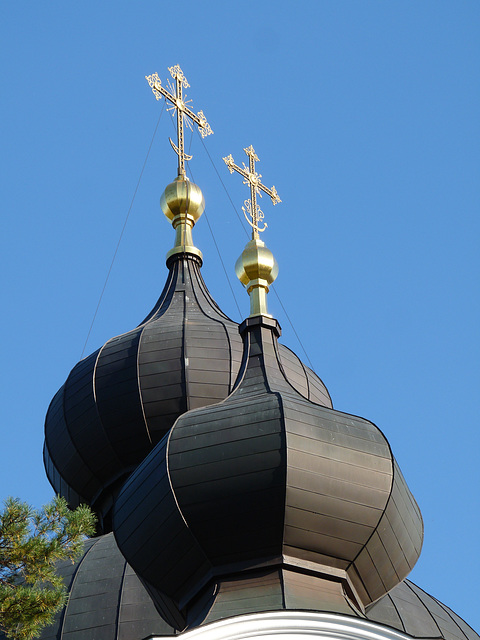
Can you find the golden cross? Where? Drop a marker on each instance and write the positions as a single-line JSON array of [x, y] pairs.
[[251, 177], [175, 96]]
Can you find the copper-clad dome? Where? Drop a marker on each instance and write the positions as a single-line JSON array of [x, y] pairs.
[[119, 402], [267, 478]]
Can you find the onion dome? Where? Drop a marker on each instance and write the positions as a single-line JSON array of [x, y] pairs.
[[119, 402], [267, 480]]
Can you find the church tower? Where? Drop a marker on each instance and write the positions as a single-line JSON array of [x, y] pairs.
[[233, 500]]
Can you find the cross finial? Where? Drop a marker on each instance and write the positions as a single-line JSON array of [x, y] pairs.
[[252, 209], [184, 113]]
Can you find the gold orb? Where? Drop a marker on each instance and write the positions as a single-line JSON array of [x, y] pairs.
[[256, 264], [182, 197]]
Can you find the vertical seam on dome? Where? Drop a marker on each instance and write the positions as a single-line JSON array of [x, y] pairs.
[[139, 386], [283, 439], [97, 412], [46, 448], [307, 380], [120, 601], [243, 364], [152, 317], [208, 296], [447, 611], [396, 611], [230, 352], [358, 613], [282, 582], [426, 608], [185, 381], [72, 584], [364, 548], [77, 452], [276, 347], [167, 467], [221, 321], [163, 296]]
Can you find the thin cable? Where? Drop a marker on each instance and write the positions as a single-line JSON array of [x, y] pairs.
[[218, 251], [293, 328], [121, 234], [225, 188]]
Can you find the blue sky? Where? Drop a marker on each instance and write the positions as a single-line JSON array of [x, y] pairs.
[[365, 117]]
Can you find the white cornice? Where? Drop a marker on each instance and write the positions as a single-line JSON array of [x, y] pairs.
[[292, 625]]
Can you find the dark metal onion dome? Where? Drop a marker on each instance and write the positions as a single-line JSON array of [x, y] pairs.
[[268, 480], [107, 601], [119, 402]]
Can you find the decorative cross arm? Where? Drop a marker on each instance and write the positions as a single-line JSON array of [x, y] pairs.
[[184, 113], [252, 210]]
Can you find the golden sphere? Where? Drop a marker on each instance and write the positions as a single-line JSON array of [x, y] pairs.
[[182, 197], [256, 264]]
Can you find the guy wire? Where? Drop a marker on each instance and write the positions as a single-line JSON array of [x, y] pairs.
[[218, 251], [121, 234]]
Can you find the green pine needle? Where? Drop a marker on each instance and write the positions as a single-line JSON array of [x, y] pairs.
[[31, 543]]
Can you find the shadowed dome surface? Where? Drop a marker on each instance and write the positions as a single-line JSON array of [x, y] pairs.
[[107, 601], [119, 402], [268, 479]]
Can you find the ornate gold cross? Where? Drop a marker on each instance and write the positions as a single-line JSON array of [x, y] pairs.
[[179, 103], [252, 209]]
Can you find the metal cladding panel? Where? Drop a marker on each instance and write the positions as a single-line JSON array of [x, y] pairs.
[[311, 556], [106, 599], [304, 591], [314, 501], [85, 426], [269, 590], [395, 546], [229, 483], [377, 582], [217, 348], [151, 532], [261, 592], [317, 390], [447, 625], [67, 571], [467, 631], [416, 618], [162, 342], [413, 611], [57, 483], [296, 372], [407, 508], [118, 398], [336, 487], [120, 401], [63, 453], [266, 474], [385, 612], [303, 379]]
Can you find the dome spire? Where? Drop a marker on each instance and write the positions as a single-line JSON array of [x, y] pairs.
[[182, 201], [256, 268]]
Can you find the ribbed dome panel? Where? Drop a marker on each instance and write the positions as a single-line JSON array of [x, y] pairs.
[[267, 478], [118, 398], [119, 402]]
